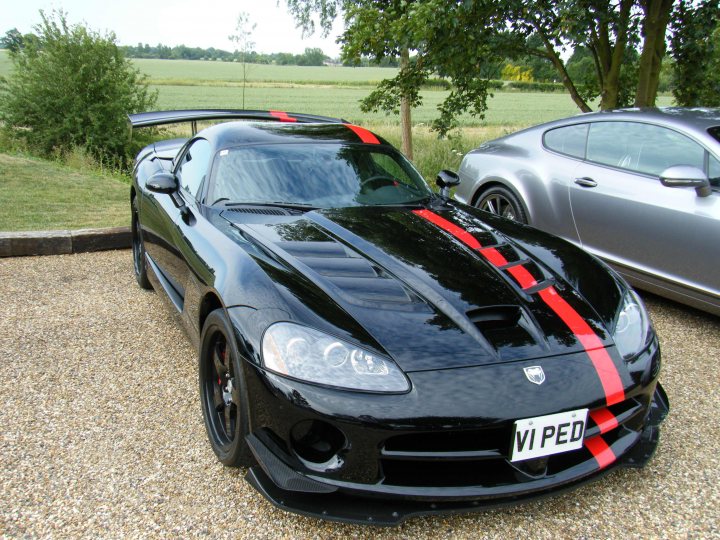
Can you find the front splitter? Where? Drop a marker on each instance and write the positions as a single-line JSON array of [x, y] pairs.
[[345, 508]]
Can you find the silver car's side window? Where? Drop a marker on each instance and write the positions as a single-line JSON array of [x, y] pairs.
[[643, 148], [569, 140], [714, 172]]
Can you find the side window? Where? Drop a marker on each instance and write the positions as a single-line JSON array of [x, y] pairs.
[[568, 140], [194, 166], [643, 148], [714, 172], [385, 165]]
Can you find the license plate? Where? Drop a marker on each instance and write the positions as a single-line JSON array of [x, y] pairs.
[[546, 435]]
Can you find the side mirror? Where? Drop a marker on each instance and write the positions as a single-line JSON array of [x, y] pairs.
[[686, 176], [447, 179], [163, 182]]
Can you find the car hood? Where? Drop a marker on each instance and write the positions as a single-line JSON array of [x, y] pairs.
[[421, 293]]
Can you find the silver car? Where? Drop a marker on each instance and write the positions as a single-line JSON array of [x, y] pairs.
[[640, 188]]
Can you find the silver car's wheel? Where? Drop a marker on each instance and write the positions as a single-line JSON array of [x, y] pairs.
[[502, 202]]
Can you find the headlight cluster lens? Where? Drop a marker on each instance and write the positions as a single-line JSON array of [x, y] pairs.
[[309, 355], [632, 326]]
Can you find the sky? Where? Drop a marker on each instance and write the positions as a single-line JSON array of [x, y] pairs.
[[195, 23]]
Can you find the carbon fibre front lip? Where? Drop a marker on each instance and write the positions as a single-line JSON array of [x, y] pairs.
[[350, 508]]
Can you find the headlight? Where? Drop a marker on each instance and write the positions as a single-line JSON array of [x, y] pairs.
[[309, 355], [632, 326]]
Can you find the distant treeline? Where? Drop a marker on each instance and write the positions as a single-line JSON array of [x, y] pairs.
[[311, 56]]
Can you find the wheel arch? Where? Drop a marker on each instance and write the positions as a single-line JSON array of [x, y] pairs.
[[209, 303], [497, 181]]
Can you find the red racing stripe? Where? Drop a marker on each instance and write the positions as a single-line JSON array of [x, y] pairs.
[[458, 232], [604, 419], [283, 116], [494, 256], [365, 135], [604, 366], [600, 450], [522, 276]]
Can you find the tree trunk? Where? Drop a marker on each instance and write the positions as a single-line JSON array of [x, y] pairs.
[[610, 90], [655, 22], [553, 56], [405, 120]]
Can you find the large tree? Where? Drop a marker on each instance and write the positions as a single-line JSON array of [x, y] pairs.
[[695, 48], [611, 31], [655, 19], [13, 40]]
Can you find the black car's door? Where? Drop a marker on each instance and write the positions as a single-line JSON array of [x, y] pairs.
[[175, 214]]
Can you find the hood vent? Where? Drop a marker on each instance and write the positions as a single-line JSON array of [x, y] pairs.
[[510, 331], [495, 317], [263, 210], [353, 275]]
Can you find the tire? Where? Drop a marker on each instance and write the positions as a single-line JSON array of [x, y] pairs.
[[138, 248], [502, 202], [223, 394]]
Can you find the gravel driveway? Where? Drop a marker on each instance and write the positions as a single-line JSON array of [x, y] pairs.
[[102, 433]]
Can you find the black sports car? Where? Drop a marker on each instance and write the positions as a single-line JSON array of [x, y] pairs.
[[372, 350]]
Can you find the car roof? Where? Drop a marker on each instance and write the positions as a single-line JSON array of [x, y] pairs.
[[231, 134], [698, 118]]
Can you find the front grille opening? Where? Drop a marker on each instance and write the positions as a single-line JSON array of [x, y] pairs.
[[446, 473], [629, 413], [619, 409], [561, 462], [452, 441]]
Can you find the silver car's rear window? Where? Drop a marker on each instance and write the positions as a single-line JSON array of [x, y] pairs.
[[715, 132], [568, 140]]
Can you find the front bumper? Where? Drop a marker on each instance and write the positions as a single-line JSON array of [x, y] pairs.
[[386, 504]]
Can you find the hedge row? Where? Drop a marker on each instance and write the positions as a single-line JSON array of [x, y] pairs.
[[521, 86]]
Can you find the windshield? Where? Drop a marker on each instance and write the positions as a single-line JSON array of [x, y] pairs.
[[325, 175]]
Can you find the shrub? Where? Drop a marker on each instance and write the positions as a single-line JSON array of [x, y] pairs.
[[72, 87], [531, 86]]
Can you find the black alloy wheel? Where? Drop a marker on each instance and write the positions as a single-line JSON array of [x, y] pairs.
[[222, 392], [502, 202], [138, 248]]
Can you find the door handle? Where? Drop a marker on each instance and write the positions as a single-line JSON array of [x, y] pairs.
[[585, 182]]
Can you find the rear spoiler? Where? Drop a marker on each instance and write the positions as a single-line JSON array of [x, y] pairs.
[[158, 118]]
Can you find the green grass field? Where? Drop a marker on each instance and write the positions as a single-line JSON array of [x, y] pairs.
[[505, 108], [212, 72], [36, 194], [200, 71], [330, 91]]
